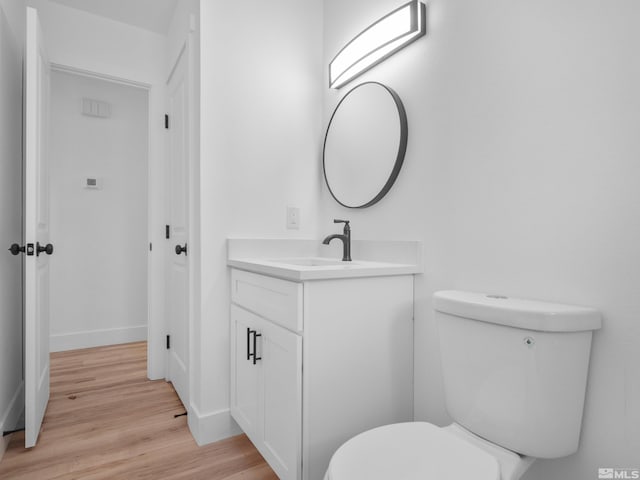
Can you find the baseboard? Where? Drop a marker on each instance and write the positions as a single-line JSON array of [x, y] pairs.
[[97, 338], [211, 427], [10, 417]]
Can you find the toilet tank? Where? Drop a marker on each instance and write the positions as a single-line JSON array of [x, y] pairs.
[[514, 370]]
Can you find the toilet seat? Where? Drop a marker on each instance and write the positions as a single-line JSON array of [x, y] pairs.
[[411, 451]]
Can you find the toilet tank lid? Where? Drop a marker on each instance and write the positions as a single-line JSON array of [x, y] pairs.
[[517, 312]]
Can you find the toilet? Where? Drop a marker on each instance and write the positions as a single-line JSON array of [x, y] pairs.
[[514, 373]]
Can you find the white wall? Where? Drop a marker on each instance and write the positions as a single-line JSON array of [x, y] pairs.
[[185, 20], [521, 178], [12, 18], [88, 42], [80, 39], [259, 152], [99, 269]]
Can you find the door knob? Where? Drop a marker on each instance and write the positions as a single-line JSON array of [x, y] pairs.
[[15, 249], [48, 249], [180, 249]]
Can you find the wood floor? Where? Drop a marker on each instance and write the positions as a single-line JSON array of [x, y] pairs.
[[105, 420]]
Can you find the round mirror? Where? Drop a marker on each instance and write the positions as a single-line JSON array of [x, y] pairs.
[[365, 145]]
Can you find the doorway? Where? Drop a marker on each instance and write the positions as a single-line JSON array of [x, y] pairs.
[[99, 212], [80, 311]]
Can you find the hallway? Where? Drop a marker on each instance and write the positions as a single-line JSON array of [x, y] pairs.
[[105, 420]]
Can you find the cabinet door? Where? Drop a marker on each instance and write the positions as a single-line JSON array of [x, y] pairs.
[[245, 376], [281, 399]]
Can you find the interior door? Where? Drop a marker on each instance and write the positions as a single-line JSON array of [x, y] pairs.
[[178, 208], [36, 218]]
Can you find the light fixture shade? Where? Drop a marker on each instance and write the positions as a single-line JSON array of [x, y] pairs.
[[377, 42]]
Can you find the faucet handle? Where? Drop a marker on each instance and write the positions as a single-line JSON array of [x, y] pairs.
[[346, 229]]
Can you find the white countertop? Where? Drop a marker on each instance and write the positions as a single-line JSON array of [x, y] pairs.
[[320, 268]]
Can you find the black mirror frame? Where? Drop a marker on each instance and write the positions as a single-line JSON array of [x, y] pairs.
[[402, 147]]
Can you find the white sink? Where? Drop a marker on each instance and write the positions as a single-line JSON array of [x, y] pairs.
[[319, 268]]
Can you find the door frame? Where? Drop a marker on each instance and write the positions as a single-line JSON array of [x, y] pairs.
[[12, 341], [155, 210]]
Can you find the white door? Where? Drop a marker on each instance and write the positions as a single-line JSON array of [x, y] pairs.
[[178, 208], [36, 218]]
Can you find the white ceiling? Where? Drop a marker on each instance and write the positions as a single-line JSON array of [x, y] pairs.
[[153, 15]]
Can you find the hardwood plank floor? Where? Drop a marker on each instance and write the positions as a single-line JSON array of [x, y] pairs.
[[105, 420]]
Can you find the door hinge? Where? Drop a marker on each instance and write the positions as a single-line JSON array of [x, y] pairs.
[[167, 232], [166, 121], [168, 342], [150, 247]]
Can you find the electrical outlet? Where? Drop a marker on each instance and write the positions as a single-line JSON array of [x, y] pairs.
[[293, 218]]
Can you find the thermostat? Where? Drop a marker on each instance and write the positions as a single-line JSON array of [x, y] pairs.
[[93, 183]]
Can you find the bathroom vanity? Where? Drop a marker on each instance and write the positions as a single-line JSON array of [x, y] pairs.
[[321, 350]]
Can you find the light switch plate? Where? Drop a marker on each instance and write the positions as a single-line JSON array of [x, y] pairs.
[[293, 218]]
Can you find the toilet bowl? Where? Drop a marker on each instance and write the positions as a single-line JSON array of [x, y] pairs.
[[504, 361], [422, 451]]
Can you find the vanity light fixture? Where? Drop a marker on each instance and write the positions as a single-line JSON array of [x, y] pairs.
[[377, 42]]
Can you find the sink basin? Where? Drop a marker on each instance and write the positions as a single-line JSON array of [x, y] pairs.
[[302, 260], [319, 268], [312, 262]]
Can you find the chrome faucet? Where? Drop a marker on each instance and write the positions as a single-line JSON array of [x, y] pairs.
[[345, 238]]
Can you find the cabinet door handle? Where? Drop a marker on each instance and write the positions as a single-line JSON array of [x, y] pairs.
[[255, 356], [248, 343], [252, 355]]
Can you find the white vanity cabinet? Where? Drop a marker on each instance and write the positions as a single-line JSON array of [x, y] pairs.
[[314, 363], [266, 368]]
